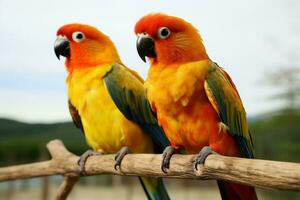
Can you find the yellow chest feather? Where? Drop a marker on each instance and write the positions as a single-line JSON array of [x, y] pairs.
[[175, 84], [106, 129], [177, 94]]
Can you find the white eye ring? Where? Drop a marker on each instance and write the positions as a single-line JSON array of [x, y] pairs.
[[78, 36], [163, 32]]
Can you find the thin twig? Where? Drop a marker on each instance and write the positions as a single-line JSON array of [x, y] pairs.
[[66, 187]]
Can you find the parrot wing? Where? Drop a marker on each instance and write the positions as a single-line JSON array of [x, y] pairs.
[[127, 91], [225, 99], [75, 116]]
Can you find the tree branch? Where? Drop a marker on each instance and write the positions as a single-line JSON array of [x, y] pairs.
[[66, 187], [258, 173]]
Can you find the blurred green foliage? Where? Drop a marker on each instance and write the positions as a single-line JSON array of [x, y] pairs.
[[22, 142], [277, 137]]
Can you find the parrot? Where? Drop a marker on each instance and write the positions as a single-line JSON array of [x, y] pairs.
[[107, 101], [195, 100]]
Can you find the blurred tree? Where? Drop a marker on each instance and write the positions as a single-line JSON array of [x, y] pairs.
[[276, 134], [287, 80]]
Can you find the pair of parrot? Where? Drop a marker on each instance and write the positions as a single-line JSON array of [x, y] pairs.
[[188, 103]]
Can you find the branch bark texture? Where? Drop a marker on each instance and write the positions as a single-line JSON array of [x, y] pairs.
[[254, 172]]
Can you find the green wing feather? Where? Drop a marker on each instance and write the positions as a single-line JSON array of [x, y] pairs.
[[127, 91], [224, 97], [154, 188], [75, 116]]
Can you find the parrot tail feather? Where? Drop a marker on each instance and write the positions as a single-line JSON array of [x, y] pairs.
[[234, 191], [154, 188]]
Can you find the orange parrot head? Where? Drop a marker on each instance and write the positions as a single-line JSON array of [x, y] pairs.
[[168, 39], [84, 46]]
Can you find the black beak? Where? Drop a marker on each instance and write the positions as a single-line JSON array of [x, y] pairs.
[[62, 47], [146, 47]]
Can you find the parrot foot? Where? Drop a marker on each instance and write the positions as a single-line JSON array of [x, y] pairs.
[[83, 158], [119, 157], [167, 154], [201, 157]]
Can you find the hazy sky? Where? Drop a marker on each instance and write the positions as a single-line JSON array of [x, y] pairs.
[[249, 39]]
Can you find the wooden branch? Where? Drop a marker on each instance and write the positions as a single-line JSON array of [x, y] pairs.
[[258, 173], [66, 187]]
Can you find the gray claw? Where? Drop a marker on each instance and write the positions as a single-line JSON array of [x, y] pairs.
[[83, 158], [167, 154], [201, 157], [119, 157]]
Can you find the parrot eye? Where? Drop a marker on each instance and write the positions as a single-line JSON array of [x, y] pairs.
[[163, 32], [78, 36]]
